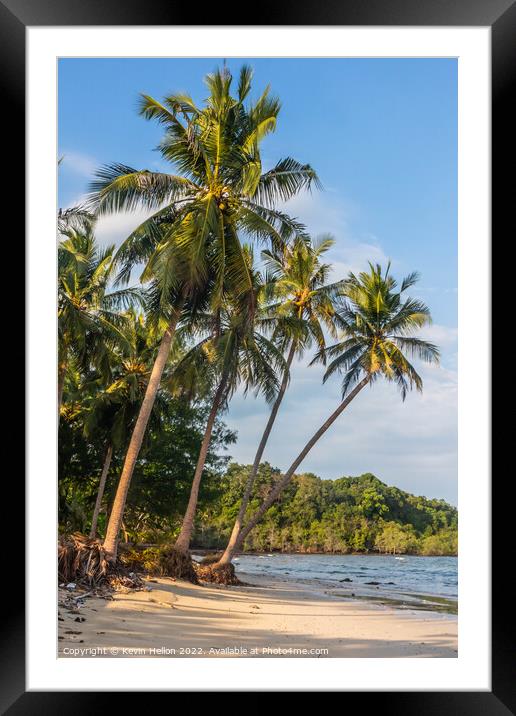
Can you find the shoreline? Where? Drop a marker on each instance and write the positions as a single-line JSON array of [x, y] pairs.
[[265, 618], [204, 551], [399, 594], [374, 594]]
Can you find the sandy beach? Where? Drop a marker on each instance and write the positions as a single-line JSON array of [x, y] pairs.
[[268, 618]]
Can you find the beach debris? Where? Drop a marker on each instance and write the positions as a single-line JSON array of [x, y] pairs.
[[162, 561], [81, 557], [83, 560], [178, 564], [347, 579], [223, 574], [373, 583]]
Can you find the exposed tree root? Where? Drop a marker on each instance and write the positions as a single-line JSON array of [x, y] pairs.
[[178, 564], [83, 560], [218, 574]]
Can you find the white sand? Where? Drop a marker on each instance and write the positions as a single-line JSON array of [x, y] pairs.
[[200, 621]]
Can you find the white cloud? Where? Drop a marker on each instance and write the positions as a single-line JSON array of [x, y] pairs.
[[326, 213], [115, 228], [443, 336], [78, 163]]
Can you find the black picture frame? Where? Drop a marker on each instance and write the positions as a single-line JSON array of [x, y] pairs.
[[500, 15]]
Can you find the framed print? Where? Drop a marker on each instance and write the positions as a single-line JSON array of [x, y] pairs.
[[266, 320]]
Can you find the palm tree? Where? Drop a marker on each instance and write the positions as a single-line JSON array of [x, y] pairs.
[[89, 324], [238, 354], [379, 327], [192, 240], [306, 307], [111, 409]]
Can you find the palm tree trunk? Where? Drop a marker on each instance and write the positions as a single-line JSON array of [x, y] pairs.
[[283, 482], [100, 493], [61, 372], [231, 546], [183, 541], [117, 511]]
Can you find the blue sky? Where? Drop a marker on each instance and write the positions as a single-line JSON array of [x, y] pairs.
[[382, 135]]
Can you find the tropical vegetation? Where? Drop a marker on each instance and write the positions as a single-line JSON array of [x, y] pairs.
[[349, 514], [192, 246], [229, 290]]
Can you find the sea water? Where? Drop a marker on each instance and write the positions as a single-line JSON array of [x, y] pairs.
[[401, 573]]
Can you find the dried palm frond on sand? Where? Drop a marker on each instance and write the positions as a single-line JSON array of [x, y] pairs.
[[82, 559]]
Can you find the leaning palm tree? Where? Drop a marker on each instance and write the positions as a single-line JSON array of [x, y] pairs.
[[379, 326], [238, 354], [303, 312], [111, 410], [192, 240]]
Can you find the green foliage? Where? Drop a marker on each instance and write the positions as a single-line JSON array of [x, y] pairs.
[[217, 192], [90, 318], [304, 303], [379, 327], [394, 538], [233, 327], [147, 560], [445, 542], [232, 347], [350, 514], [162, 476], [373, 503]]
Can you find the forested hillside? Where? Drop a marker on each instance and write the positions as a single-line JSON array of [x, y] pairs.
[[350, 514]]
